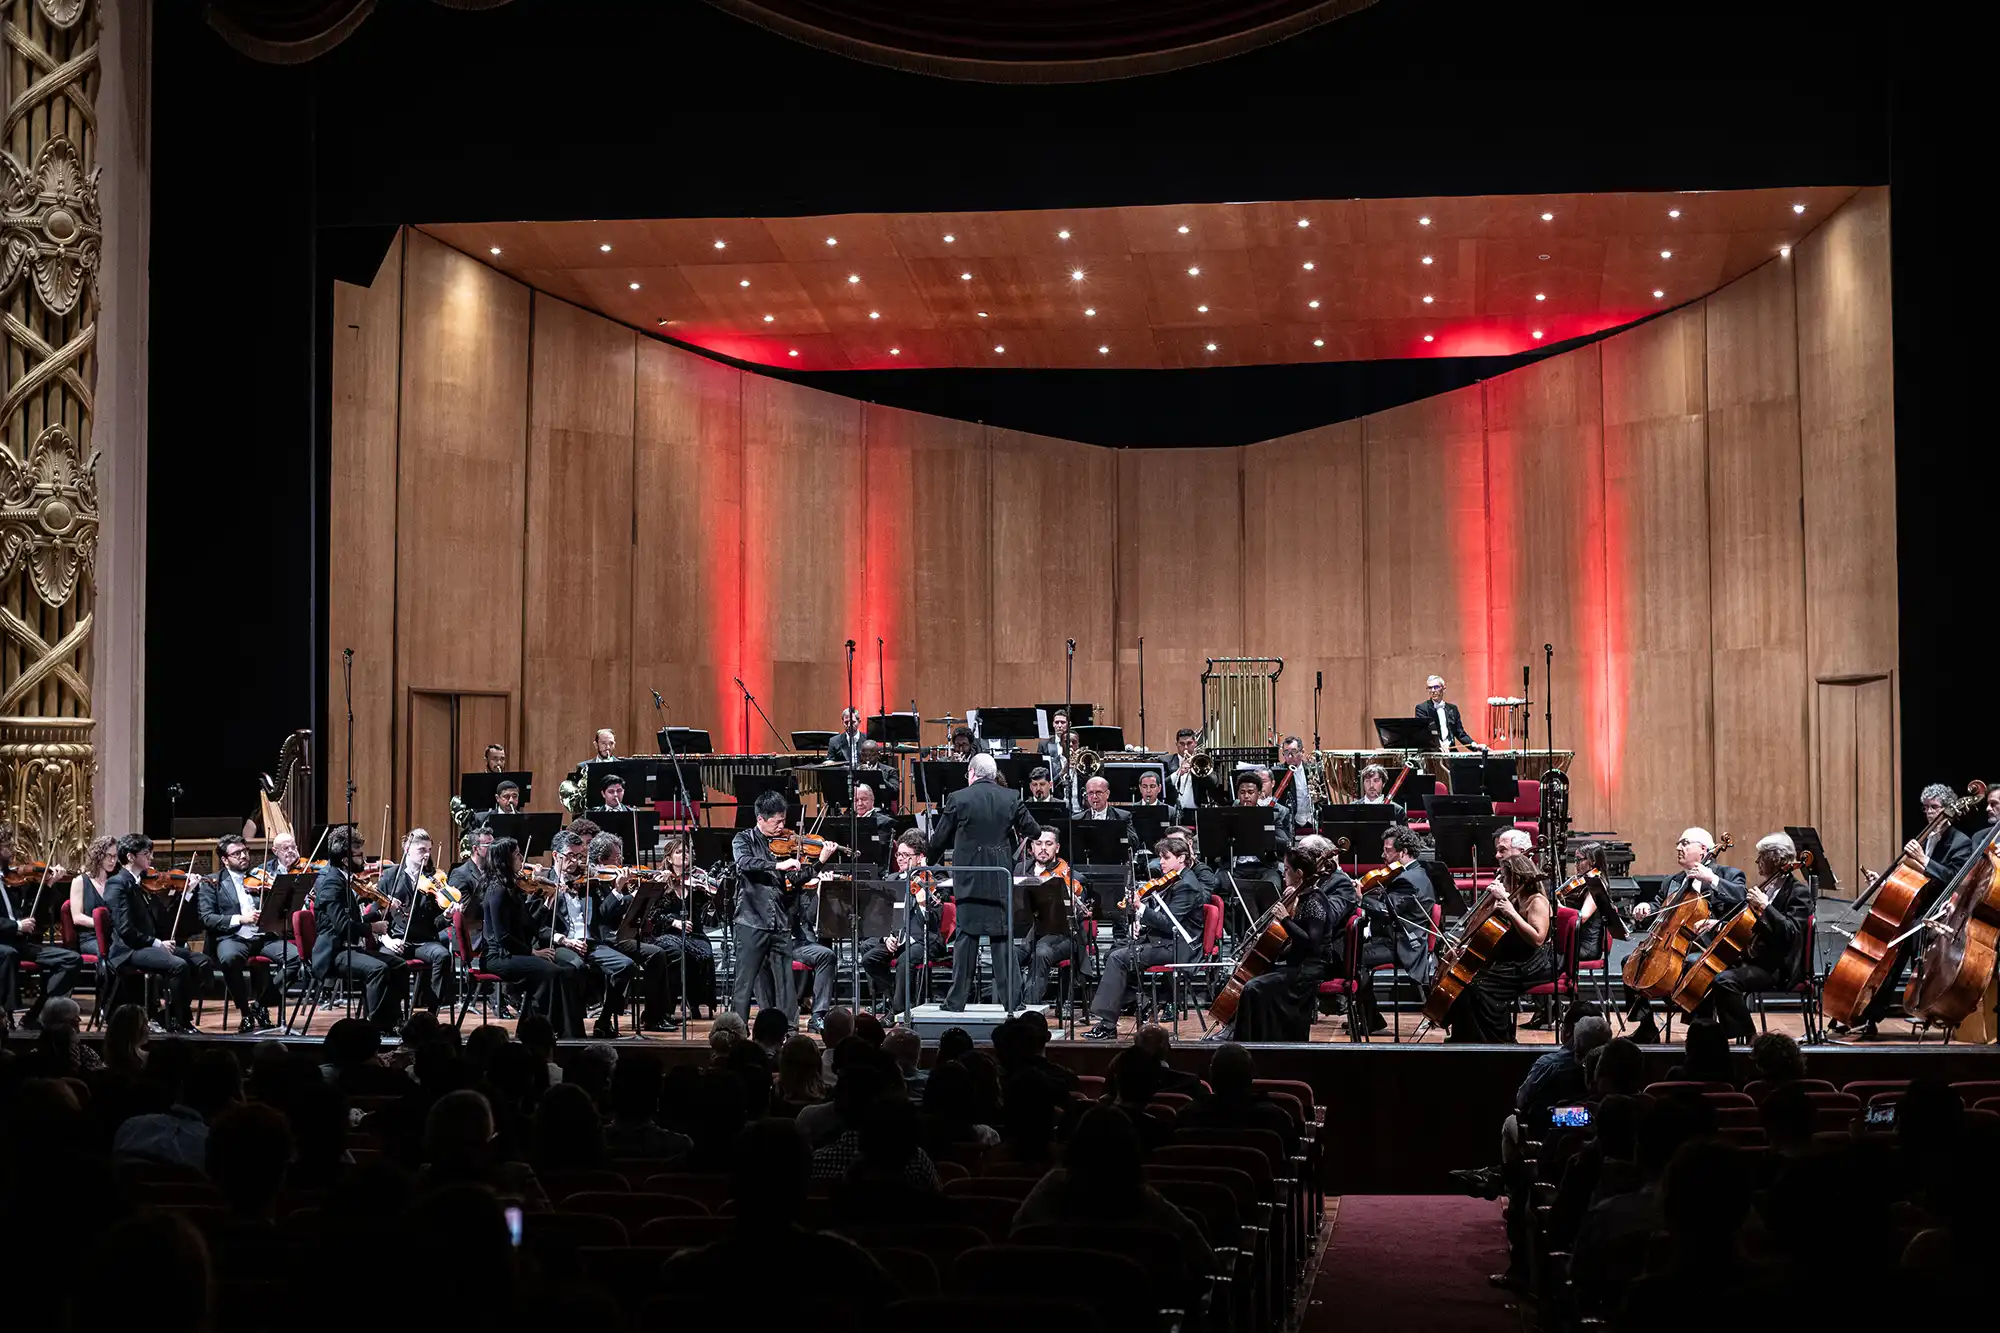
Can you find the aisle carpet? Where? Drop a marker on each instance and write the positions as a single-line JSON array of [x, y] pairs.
[[1419, 1260]]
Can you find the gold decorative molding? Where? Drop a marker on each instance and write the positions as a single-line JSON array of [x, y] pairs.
[[50, 246]]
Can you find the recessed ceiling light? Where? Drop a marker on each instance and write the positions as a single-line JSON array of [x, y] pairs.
[[1429, 339], [1798, 208], [1538, 333], [743, 282], [1104, 351], [1423, 222], [1427, 259], [1305, 222], [1784, 252], [722, 245], [982, 314], [1548, 217], [895, 351], [1211, 347], [1319, 342], [769, 318], [605, 248], [1309, 266], [793, 352], [1312, 305], [999, 347], [1090, 310], [1539, 296], [492, 249], [1193, 272], [1183, 228], [633, 285], [660, 321], [1673, 212], [1062, 235], [949, 238], [1201, 310], [1076, 275], [874, 314], [965, 277], [1666, 254], [1657, 293], [854, 277], [831, 241], [1429, 299], [1542, 257]]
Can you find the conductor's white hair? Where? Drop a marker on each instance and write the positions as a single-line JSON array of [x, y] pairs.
[[981, 768]]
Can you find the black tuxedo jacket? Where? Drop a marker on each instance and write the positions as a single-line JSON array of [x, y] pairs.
[[338, 915], [761, 900], [217, 900], [1401, 913], [1453, 729], [1953, 850], [1725, 898], [1186, 898], [509, 930], [842, 747], [1780, 936], [980, 826], [132, 927], [425, 919]]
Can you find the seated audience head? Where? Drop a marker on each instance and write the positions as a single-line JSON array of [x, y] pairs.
[[538, 1034], [1590, 1032], [162, 1255], [838, 1026], [1103, 1163], [1154, 1040], [352, 1041], [770, 1167], [458, 1132], [1930, 1118], [1705, 1193], [486, 1039], [948, 1093], [480, 1270], [770, 1028], [1788, 1116], [728, 1029], [1621, 1068], [869, 1028], [800, 1073], [1231, 1072], [249, 1150], [906, 1048], [212, 1084], [1707, 1054], [591, 1068], [890, 1137], [1135, 1078], [635, 1091], [1777, 1058], [569, 1133], [953, 1043]]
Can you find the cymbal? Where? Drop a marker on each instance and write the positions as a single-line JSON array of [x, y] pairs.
[[944, 721]]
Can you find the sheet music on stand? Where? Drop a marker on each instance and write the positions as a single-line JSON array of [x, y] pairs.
[[287, 894]]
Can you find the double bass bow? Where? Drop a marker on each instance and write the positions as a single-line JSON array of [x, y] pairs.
[[1869, 959]]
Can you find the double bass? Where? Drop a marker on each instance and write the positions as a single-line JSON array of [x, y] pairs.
[[1655, 967], [1957, 963], [1730, 942], [1865, 965]]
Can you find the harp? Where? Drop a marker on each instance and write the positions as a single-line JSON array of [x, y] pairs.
[[284, 800]]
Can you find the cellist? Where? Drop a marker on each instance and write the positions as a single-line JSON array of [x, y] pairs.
[[1771, 962], [1484, 1011], [1723, 886], [1279, 1004], [1942, 855]]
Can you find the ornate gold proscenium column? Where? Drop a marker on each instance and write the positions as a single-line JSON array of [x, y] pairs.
[[49, 245]]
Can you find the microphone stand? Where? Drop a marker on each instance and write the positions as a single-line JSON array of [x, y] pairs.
[[1142, 694], [1069, 677], [687, 838], [1319, 684], [1555, 835], [750, 702], [347, 684], [854, 829]]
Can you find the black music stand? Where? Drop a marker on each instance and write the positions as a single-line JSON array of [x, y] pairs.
[[1452, 806], [1080, 715], [1100, 842], [1820, 878], [533, 831], [636, 829], [1465, 842], [1014, 768], [477, 789], [892, 729], [1404, 733], [1124, 780], [1052, 815], [1107, 741], [749, 786], [857, 906], [287, 894], [1151, 822], [1229, 831], [1009, 724], [684, 740], [938, 778], [1481, 775], [809, 742], [713, 845], [872, 841]]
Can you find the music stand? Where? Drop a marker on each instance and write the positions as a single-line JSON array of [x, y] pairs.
[[644, 898], [1403, 733], [1151, 822], [477, 789], [1821, 879], [1106, 741], [654, 783], [712, 845], [1007, 724], [1481, 775], [749, 786], [1466, 841], [856, 907], [1229, 831], [634, 828], [685, 740], [1124, 780], [287, 894], [1445, 885], [895, 728], [1080, 715], [1458, 806], [533, 831], [805, 742], [1014, 768], [939, 778], [1100, 842]]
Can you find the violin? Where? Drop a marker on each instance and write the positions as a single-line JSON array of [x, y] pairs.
[[1730, 943], [788, 844], [1139, 891], [29, 872], [1381, 875], [440, 890], [168, 881]]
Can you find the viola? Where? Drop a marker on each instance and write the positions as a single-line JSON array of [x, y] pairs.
[[1957, 963], [1655, 967], [1865, 965], [1728, 945]]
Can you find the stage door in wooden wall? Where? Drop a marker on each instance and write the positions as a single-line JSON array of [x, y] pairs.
[[1854, 778], [448, 733]]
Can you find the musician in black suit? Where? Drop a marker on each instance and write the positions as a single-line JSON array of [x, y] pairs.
[[1260, 876], [1773, 960], [981, 825], [1097, 808], [229, 911], [19, 926], [1723, 886], [1443, 719], [345, 945], [874, 832], [421, 917], [1168, 922], [1398, 922], [1375, 791], [284, 858], [766, 911], [845, 745], [879, 775], [511, 946], [582, 942], [1054, 921], [1185, 787], [1942, 855], [881, 957], [135, 942]]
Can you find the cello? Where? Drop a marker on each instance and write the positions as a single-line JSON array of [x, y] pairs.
[[1265, 942], [1957, 964], [1865, 965], [1479, 937], [1730, 943], [1655, 967]]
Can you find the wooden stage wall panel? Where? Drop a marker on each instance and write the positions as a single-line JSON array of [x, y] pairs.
[[1658, 709], [1636, 502], [687, 561], [367, 338], [576, 659], [1423, 552], [1303, 507], [1847, 451], [460, 492], [1757, 620]]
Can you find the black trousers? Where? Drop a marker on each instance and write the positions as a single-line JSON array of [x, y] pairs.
[[384, 982], [1726, 994], [766, 955], [617, 970], [58, 971], [697, 954], [551, 987], [1043, 954], [1122, 966], [435, 980], [179, 970], [233, 954], [965, 965]]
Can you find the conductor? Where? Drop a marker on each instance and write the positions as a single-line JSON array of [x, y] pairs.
[[981, 826]]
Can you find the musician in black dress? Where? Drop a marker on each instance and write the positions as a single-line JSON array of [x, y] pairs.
[[1169, 931], [678, 935], [1279, 1004], [510, 947], [1484, 1010], [1772, 962]]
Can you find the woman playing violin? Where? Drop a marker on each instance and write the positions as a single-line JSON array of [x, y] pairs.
[[1484, 1012], [678, 937], [86, 891], [1278, 1005]]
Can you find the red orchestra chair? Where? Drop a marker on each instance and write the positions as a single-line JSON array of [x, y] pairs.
[[1348, 985], [474, 981], [1563, 984], [1211, 952], [93, 958]]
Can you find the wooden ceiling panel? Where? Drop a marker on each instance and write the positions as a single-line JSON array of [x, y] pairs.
[[1594, 260]]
